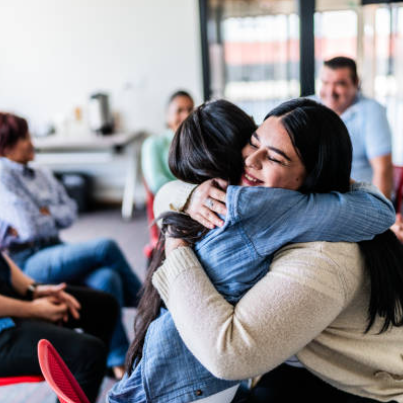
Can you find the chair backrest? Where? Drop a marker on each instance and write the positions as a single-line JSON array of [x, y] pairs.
[[12, 380], [398, 185], [58, 376]]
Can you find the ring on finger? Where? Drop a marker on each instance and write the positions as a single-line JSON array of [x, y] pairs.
[[209, 203]]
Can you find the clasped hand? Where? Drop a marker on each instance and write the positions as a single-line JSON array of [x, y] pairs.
[[54, 304], [206, 202]]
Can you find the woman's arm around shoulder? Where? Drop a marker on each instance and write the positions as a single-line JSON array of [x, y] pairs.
[[283, 312]]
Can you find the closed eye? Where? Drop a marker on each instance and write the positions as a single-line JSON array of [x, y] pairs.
[[251, 144], [276, 161]]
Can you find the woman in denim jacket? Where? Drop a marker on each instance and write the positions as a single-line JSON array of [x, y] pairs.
[[259, 221]]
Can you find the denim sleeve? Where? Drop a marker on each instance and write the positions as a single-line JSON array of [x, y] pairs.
[[273, 217], [63, 209], [378, 137]]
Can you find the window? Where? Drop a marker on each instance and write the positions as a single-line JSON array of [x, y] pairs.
[[254, 53]]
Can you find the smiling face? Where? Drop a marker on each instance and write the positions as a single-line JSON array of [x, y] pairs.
[[178, 110], [271, 159], [338, 89]]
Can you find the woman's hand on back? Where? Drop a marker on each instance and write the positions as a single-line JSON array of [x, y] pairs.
[[208, 200]]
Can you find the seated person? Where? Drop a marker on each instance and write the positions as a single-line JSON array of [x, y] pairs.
[[154, 153], [33, 208], [30, 312]]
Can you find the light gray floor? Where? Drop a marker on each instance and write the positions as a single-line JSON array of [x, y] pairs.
[[131, 236]]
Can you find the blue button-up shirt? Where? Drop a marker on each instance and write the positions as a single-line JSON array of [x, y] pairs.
[[259, 222], [23, 191], [370, 135]]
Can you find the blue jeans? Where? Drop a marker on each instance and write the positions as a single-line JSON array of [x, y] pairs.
[[98, 264]]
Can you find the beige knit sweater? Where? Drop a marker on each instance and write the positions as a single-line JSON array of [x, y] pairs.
[[313, 303]]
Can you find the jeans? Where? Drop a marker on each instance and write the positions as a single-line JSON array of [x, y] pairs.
[[98, 264]]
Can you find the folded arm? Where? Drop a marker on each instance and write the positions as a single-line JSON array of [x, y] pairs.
[[63, 209], [22, 213]]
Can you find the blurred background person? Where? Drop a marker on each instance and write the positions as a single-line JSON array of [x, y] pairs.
[[154, 153], [366, 122], [34, 206]]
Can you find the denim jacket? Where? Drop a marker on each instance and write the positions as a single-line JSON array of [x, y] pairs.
[[259, 221]]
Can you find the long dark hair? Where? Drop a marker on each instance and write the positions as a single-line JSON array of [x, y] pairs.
[[208, 144], [324, 146]]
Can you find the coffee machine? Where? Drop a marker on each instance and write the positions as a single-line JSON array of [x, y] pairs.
[[99, 115]]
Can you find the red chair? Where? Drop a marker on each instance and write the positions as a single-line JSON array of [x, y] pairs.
[[154, 232], [12, 380], [58, 376], [398, 185]]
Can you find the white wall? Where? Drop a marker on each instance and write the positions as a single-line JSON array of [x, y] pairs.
[[54, 54]]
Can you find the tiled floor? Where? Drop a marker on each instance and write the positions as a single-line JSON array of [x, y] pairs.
[[131, 236]]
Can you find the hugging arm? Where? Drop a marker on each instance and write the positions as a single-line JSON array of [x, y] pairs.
[[359, 214], [274, 217], [273, 320]]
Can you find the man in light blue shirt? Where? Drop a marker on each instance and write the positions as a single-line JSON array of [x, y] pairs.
[[366, 122]]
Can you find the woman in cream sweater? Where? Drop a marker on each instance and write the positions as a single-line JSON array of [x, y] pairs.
[[336, 306]]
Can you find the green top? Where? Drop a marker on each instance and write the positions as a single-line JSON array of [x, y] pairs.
[[154, 161]]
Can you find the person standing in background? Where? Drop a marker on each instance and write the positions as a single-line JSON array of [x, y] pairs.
[[367, 125], [154, 153], [366, 122]]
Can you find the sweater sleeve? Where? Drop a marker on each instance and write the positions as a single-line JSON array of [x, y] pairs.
[[172, 197], [299, 297]]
